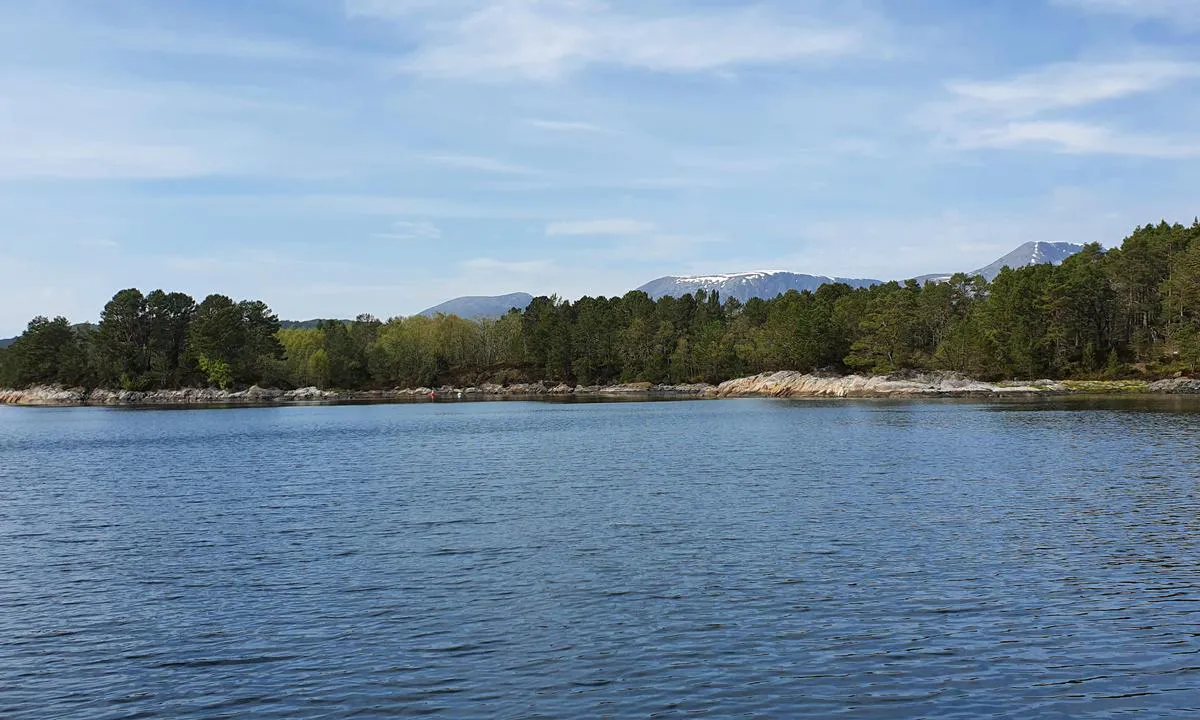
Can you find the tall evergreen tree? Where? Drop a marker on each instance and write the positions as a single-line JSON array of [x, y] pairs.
[[122, 347], [49, 351]]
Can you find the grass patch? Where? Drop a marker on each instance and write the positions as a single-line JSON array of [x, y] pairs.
[[1106, 386]]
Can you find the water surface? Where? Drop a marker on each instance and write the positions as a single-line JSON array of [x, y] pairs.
[[549, 560]]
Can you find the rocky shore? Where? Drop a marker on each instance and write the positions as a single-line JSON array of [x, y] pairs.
[[1175, 386], [776, 385], [796, 384], [51, 395]]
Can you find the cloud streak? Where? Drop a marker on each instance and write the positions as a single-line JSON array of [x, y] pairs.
[[1070, 85], [546, 40], [480, 163], [1029, 111], [568, 126], [614, 227], [406, 230], [1077, 138]]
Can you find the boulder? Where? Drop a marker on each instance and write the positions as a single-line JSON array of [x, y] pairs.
[[796, 384], [263, 394], [1175, 386]]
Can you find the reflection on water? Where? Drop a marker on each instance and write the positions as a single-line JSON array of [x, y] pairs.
[[1031, 558]]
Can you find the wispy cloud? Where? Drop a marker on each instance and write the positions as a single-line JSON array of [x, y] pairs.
[[55, 125], [79, 159], [1078, 138], [566, 146], [480, 163], [568, 126], [548, 39], [364, 205], [199, 44], [99, 243], [613, 227], [507, 267], [405, 230], [659, 246], [1068, 85], [1028, 110]]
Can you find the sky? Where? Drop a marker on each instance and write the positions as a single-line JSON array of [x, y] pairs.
[[337, 157]]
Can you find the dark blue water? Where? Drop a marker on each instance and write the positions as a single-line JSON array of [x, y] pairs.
[[522, 560]]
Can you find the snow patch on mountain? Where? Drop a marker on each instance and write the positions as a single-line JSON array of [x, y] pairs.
[[1029, 254], [746, 285]]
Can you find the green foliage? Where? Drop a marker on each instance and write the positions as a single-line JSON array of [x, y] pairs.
[[216, 331], [218, 372], [1110, 314], [159, 340], [241, 335], [8, 375], [168, 317], [121, 349], [49, 351], [406, 352], [299, 349]]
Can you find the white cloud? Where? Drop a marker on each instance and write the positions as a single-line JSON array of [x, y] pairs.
[[60, 125], [664, 247], [618, 227], [1077, 138], [89, 95], [568, 126], [398, 8], [480, 163], [205, 45], [1068, 85], [74, 159], [99, 243], [548, 39], [410, 230], [55, 128], [492, 266], [1028, 110]]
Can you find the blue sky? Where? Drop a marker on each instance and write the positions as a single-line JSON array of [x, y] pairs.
[[333, 157]]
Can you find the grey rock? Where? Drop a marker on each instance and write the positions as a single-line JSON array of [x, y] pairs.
[[1175, 386]]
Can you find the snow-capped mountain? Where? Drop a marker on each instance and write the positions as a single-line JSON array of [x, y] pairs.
[[475, 307], [744, 286], [1031, 253], [766, 285]]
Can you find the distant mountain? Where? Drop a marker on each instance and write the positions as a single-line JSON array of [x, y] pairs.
[[766, 285], [744, 286], [1031, 253], [475, 307], [933, 278], [77, 327]]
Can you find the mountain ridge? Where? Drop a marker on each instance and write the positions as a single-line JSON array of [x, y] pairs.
[[743, 285], [473, 307], [1028, 254]]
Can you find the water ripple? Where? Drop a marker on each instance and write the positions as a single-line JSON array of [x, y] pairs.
[[518, 560]]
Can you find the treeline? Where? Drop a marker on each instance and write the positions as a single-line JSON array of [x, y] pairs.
[[1134, 310], [159, 340]]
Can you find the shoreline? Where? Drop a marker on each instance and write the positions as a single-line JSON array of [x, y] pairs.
[[786, 384]]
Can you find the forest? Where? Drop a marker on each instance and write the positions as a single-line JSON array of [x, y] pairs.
[[1133, 311]]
